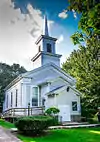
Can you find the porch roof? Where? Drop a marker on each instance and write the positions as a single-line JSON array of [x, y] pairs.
[[61, 88], [55, 90]]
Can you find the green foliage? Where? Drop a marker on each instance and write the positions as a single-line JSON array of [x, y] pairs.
[[77, 38], [33, 125], [52, 111], [90, 15], [84, 63], [7, 74], [92, 121]]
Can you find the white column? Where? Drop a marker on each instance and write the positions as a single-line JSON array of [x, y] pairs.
[[23, 95]]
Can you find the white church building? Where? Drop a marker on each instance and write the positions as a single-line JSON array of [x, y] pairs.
[[47, 85]]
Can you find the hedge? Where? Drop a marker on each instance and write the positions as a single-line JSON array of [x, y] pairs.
[[33, 125]]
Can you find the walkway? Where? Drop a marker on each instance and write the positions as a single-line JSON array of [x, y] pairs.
[[6, 136], [74, 126]]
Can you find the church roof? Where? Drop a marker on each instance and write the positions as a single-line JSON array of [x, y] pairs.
[[46, 66], [27, 74]]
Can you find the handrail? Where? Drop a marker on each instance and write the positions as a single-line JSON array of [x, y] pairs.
[[23, 111]]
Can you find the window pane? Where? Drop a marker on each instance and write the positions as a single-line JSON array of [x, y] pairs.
[[7, 102], [35, 96], [34, 102], [35, 91], [39, 48], [11, 99], [16, 97], [49, 48], [74, 106]]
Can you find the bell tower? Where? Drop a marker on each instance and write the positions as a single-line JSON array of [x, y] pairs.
[[46, 49]]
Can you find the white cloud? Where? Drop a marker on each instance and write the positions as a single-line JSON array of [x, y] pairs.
[[16, 43], [60, 39], [63, 14], [74, 13]]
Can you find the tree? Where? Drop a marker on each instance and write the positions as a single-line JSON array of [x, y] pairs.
[[7, 74], [84, 63]]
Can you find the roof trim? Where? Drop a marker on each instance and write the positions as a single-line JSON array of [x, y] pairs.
[[46, 37], [15, 81], [45, 53], [54, 66], [65, 87], [25, 75]]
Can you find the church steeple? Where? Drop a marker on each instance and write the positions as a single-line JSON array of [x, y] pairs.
[[45, 30], [46, 49]]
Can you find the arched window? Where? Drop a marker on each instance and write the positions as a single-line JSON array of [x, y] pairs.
[[49, 49]]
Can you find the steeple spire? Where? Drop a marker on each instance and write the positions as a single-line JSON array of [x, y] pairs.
[[45, 30]]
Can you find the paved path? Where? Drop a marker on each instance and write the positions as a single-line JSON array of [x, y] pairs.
[[74, 126], [6, 136]]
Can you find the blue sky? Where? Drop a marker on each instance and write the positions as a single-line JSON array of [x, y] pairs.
[[16, 29], [52, 8]]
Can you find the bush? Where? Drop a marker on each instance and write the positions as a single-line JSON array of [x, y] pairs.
[[33, 125], [92, 121], [52, 111]]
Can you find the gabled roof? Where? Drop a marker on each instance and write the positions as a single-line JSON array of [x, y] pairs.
[[27, 74], [60, 88], [52, 91], [48, 65]]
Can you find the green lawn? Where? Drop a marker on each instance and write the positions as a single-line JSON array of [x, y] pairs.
[[6, 124], [68, 135]]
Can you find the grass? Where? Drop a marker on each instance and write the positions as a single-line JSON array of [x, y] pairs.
[[6, 124], [68, 135]]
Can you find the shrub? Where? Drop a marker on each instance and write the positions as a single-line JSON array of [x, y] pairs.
[[33, 125], [93, 120], [52, 111]]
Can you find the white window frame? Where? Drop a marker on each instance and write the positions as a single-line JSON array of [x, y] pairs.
[[32, 96]]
